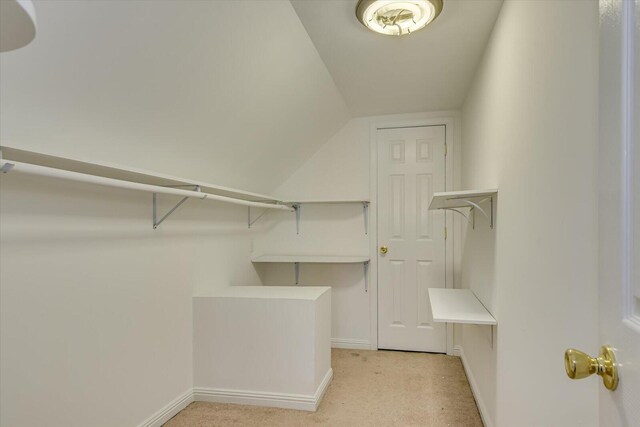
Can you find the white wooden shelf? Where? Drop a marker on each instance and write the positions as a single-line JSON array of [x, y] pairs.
[[311, 259], [328, 202], [458, 199], [472, 199], [317, 259], [458, 306], [49, 165], [125, 173]]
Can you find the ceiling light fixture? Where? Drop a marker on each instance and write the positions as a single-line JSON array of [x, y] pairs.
[[397, 17]]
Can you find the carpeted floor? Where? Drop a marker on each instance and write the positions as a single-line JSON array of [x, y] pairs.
[[369, 388]]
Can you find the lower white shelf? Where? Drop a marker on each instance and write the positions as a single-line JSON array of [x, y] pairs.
[[458, 306], [311, 259], [316, 259]]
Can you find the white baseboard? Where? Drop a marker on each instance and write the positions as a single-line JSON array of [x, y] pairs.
[[169, 411], [349, 343], [257, 398], [484, 414], [322, 388]]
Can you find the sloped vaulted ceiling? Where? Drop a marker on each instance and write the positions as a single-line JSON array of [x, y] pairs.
[[429, 70], [231, 92]]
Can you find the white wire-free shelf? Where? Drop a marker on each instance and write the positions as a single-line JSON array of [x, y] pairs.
[[97, 173], [472, 199], [125, 173], [328, 201], [296, 260], [330, 259], [458, 306]]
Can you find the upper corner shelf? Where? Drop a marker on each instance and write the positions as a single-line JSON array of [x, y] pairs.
[[459, 199], [454, 200]]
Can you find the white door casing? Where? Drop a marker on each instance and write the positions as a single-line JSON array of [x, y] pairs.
[[619, 206], [411, 167]]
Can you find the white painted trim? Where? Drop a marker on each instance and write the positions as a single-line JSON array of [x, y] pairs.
[[203, 394], [373, 235], [351, 344], [452, 121], [259, 398], [457, 351], [169, 411], [484, 413], [322, 388]]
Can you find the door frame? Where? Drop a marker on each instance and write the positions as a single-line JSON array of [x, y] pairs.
[[451, 121]]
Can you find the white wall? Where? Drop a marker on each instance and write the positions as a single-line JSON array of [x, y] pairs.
[[339, 170], [95, 305], [174, 86], [530, 129]]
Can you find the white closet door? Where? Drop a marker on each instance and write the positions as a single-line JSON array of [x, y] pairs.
[[411, 167], [619, 214]]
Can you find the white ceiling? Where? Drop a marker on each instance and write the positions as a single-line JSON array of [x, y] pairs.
[[425, 71], [230, 92]]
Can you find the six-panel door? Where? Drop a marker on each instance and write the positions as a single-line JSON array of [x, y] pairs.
[[411, 167]]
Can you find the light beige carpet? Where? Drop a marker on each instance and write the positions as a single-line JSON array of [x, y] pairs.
[[369, 388]]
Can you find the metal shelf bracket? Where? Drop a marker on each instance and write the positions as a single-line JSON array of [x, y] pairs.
[[365, 265], [296, 268], [249, 222], [298, 209], [156, 221], [6, 167], [365, 212]]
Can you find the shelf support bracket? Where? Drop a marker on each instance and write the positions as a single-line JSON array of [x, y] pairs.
[[249, 222], [156, 221], [471, 218], [492, 337], [6, 167], [482, 211], [296, 268], [491, 201], [365, 212], [366, 275], [459, 212], [298, 208]]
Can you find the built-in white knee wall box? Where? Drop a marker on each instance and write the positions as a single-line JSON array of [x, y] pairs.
[[263, 345]]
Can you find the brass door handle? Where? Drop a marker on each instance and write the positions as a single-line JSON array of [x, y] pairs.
[[384, 250], [580, 365]]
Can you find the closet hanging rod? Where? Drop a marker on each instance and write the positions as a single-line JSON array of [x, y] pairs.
[[10, 165]]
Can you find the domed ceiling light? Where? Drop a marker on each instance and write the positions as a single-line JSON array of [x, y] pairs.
[[397, 17], [17, 24]]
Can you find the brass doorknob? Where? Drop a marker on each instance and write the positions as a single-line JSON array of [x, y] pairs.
[[580, 365], [384, 250]]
